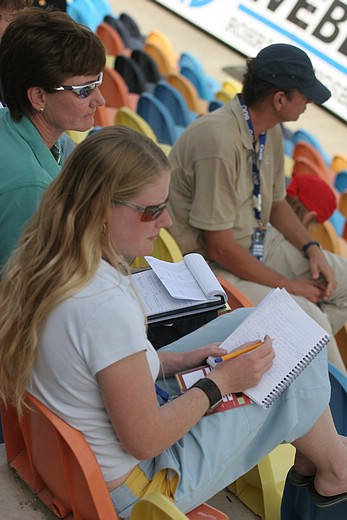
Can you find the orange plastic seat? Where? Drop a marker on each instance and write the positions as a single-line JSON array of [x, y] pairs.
[[116, 94], [55, 460], [305, 152], [236, 298], [112, 40], [57, 463]]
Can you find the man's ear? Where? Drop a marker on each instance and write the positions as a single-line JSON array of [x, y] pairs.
[[279, 100], [37, 98], [309, 218]]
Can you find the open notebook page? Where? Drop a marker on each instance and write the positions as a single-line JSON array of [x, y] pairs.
[[191, 278]]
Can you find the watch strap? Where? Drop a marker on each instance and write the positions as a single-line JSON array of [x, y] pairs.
[[211, 390], [308, 245]]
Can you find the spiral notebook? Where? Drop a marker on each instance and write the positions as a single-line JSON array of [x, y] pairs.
[[297, 340]]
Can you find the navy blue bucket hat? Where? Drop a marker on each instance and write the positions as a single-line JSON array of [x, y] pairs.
[[285, 66]]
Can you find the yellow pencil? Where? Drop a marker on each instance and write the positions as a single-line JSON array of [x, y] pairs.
[[237, 353]]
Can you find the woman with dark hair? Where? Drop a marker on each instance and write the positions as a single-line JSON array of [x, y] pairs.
[[73, 333], [51, 69]]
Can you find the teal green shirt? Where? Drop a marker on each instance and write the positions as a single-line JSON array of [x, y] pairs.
[[27, 167]]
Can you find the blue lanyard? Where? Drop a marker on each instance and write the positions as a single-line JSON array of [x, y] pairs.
[[257, 158]]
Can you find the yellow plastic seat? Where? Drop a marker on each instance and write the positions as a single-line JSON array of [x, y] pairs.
[[76, 136], [162, 41], [159, 56], [224, 95], [339, 162], [165, 248], [233, 86], [127, 117], [261, 489]]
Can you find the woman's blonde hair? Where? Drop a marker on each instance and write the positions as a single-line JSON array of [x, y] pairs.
[[61, 248]]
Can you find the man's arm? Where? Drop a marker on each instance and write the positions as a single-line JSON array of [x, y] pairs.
[[286, 221], [222, 248]]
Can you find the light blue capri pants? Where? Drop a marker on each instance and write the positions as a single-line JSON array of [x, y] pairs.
[[222, 447]]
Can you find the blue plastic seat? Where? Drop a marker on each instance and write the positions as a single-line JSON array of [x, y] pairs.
[[159, 118], [199, 82], [338, 400], [190, 60], [85, 12], [175, 102], [214, 104], [340, 182]]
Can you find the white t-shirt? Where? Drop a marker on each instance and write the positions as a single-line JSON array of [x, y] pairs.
[[99, 326]]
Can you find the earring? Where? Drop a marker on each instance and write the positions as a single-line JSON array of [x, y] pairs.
[[42, 109]]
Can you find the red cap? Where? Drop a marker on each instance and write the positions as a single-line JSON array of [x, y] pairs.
[[315, 194]]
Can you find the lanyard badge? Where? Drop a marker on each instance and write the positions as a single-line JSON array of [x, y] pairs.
[[259, 232]]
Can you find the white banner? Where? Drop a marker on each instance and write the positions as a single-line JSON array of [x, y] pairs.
[[319, 27]]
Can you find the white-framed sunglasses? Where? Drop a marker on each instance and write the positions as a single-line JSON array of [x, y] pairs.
[[82, 91]]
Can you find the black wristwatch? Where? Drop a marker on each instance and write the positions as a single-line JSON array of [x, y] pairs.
[[308, 245], [212, 391]]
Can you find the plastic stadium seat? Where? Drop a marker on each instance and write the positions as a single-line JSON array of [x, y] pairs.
[[76, 136], [340, 182], [224, 95], [129, 41], [127, 117], [158, 55], [199, 81], [339, 162], [187, 89], [130, 23], [131, 73], [112, 40], [102, 116], [233, 86], [116, 93], [189, 59], [57, 463], [161, 40], [165, 248], [304, 149], [84, 12], [310, 138], [159, 118], [175, 102], [158, 507], [214, 104], [147, 65]]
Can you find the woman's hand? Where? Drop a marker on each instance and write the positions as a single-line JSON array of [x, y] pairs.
[[245, 370]]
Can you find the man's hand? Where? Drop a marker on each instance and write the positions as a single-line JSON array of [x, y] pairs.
[[320, 268]]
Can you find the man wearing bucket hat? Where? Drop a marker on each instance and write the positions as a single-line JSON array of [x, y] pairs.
[[227, 194]]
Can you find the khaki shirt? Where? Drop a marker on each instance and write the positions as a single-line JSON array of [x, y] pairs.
[[211, 187]]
